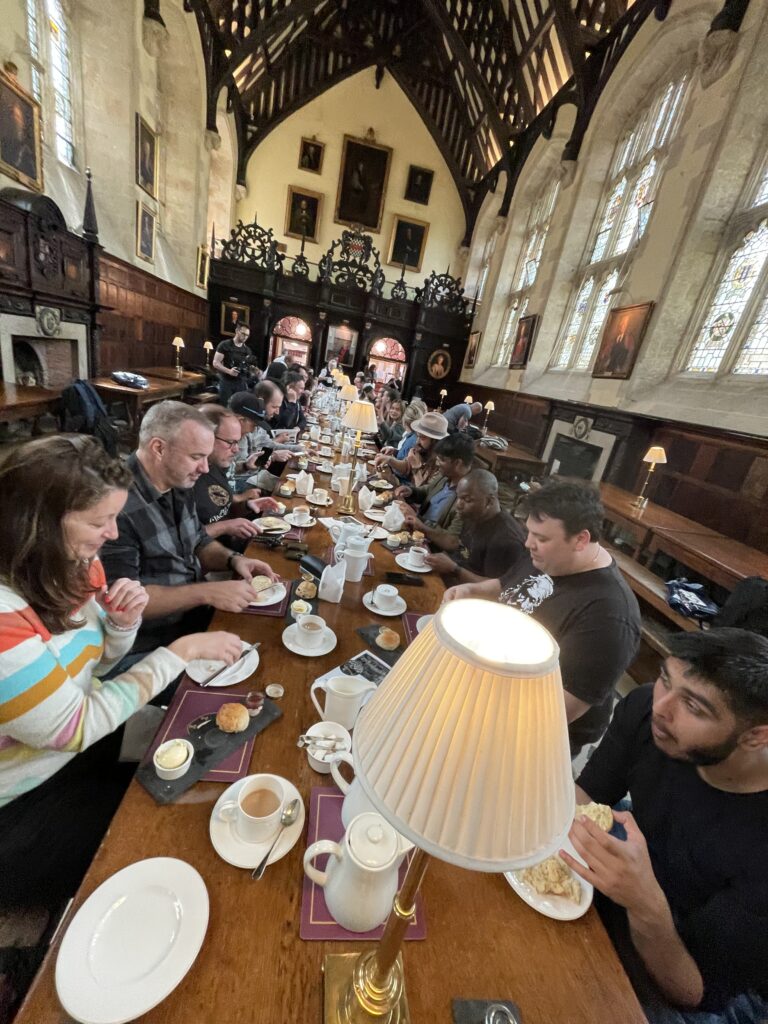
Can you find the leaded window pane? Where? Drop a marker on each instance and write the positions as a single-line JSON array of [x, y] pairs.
[[577, 318], [762, 190], [640, 199], [753, 357], [596, 322]]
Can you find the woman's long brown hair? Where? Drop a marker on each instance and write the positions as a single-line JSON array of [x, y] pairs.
[[40, 482]]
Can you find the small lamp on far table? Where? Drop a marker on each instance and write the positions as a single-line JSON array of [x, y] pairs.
[[469, 400], [489, 408], [654, 455], [178, 344], [361, 417], [443, 395], [208, 348]]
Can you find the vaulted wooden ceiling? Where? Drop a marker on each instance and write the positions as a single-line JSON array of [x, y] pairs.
[[479, 72]]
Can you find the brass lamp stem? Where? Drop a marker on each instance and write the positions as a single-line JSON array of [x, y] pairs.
[[641, 500], [348, 503]]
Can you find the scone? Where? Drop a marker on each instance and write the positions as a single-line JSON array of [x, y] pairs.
[[601, 814], [306, 589], [270, 522], [418, 537], [388, 639], [232, 718], [260, 583]]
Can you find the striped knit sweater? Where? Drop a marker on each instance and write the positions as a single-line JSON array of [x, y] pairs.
[[52, 702]]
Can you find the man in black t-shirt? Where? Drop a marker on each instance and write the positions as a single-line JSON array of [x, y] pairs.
[[234, 362], [490, 542], [686, 895], [576, 591]]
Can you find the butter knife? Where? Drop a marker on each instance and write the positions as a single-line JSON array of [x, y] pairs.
[[220, 672]]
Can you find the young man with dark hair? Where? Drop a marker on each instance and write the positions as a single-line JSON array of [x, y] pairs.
[[437, 514], [234, 362], [687, 892], [578, 593], [291, 414]]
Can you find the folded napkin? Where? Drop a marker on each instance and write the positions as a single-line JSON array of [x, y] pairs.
[[361, 473], [365, 498], [305, 483], [332, 583], [393, 519]]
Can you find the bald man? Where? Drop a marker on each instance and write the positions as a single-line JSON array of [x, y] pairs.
[[490, 538]]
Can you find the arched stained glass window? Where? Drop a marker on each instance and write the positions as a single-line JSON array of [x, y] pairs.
[[733, 334], [629, 194], [48, 36], [526, 270]]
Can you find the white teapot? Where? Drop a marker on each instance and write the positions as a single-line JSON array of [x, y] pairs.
[[360, 879], [355, 800]]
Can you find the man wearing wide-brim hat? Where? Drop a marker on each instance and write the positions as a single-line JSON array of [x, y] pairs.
[[419, 465]]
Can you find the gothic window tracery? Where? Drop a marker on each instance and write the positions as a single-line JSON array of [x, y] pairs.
[[48, 35]]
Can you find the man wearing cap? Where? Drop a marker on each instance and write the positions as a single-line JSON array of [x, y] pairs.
[[234, 361], [259, 440], [418, 467]]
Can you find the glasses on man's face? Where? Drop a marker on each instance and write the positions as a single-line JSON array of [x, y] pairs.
[[227, 443]]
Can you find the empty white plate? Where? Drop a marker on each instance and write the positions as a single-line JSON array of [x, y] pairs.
[[132, 941]]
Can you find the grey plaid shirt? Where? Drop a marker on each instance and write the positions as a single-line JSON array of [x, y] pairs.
[[159, 538]]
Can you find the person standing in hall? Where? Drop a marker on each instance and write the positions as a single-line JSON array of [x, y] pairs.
[[234, 362]]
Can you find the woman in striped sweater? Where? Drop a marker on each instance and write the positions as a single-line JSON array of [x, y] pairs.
[[61, 630]]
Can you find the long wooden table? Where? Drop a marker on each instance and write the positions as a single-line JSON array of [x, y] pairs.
[[721, 559], [19, 402], [642, 523], [136, 399], [190, 378], [482, 940]]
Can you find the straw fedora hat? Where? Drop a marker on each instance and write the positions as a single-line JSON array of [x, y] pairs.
[[431, 424]]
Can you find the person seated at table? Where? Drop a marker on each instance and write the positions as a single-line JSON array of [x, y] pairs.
[[235, 364], [579, 594], [491, 540], [160, 540], [260, 444], [419, 466], [458, 417], [434, 509], [279, 367], [413, 411], [685, 896], [222, 513], [291, 414], [62, 630], [391, 427]]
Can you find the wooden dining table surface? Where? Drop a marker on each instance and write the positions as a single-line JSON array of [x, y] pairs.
[[482, 940], [20, 401], [188, 377]]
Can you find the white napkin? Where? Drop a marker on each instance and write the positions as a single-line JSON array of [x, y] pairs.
[[364, 498], [332, 582], [361, 473], [393, 519], [305, 483]]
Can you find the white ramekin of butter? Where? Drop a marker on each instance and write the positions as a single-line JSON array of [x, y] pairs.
[[173, 758]]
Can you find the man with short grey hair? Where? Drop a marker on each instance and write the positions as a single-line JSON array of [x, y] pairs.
[[160, 539]]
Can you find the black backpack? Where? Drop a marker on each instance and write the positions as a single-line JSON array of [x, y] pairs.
[[746, 607], [83, 412]]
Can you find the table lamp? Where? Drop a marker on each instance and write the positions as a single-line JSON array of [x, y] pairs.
[[469, 399], [178, 344], [208, 348], [489, 408], [463, 749], [360, 416], [443, 394], [654, 454], [349, 393]]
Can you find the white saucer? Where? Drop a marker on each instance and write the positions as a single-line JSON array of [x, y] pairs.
[[383, 485], [291, 642], [423, 621], [323, 504], [234, 850], [324, 470], [203, 668], [405, 563], [300, 526], [274, 530], [558, 907], [398, 608], [376, 515], [132, 941], [274, 595]]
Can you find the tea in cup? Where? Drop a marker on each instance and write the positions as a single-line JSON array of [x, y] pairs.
[[310, 630], [385, 597], [321, 494], [256, 811], [418, 557], [301, 514]]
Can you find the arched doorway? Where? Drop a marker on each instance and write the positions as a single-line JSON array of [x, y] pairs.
[[291, 335], [387, 356]]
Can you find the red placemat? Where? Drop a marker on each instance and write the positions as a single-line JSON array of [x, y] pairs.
[[330, 558], [190, 702], [316, 921]]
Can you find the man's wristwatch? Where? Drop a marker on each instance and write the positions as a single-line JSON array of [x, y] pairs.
[[230, 560]]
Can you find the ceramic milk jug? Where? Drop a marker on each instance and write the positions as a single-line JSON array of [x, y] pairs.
[[360, 879], [341, 533]]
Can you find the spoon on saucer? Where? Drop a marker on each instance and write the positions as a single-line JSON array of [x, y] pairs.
[[289, 815]]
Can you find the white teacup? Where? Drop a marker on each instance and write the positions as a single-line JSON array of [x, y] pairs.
[[418, 557], [326, 452], [310, 630], [385, 596], [320, 493], [256, 812], [393, 540], [301, 515], [314, 433]]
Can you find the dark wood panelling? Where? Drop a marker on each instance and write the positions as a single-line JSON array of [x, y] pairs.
[[141, 315]]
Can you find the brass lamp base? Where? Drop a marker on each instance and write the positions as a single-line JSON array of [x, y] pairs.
[[347, 505], [352, 998]]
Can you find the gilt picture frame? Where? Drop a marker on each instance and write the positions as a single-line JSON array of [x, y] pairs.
[[620, 344], [232, 315], [525, 334], [147, 157], [363, 182], [146, 226], [21, 153], [303, 203], [407, 243], [311, 155]]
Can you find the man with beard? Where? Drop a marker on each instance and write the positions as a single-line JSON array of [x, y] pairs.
[[160, 539], [685, 896]]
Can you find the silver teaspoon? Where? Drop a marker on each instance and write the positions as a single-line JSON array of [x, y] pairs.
[[289, 815]]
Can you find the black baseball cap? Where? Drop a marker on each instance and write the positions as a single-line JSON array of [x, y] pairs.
[[243, 403]]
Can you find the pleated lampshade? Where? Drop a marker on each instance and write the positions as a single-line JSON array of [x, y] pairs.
[[349, 393], [360, 416], [464, 746]]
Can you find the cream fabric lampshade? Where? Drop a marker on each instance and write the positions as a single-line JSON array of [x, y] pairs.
[[349, 393], [208, 346], [464, 746], [361, 416], [178, 342], [489, 407], [655, 454]]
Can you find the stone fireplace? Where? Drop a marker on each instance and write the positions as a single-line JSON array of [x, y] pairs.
[[53, 361], [588, 443]]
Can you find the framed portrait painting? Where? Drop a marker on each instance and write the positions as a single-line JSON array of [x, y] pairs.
[[232, 315], [147, 146], [407, 243], [622, 337], [341, 344], [21, 156], [311, 154], [203, 266], [524, 337], [439, 364], [362, 183], [145, 232], [419, 184], [302, 213], [472, 347]]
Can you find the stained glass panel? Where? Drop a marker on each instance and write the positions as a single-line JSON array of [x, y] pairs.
[[574, 326], [610, 215], [640, 198], [762, 190], [753, 357], [60, 80], [596, 321], [733, 293], [33, 36], [507, 336]]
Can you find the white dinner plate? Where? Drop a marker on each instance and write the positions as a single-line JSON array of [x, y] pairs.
[[266, 598], [558, 907], [234, 850], [291, 641], [376, 515], [323, 504], [398, 608], [381, 485], [378, 533], [405, 563], [275, 529], [132, 941], [203, 668]]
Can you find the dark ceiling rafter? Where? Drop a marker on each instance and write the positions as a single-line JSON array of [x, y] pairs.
[[486, 77]]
